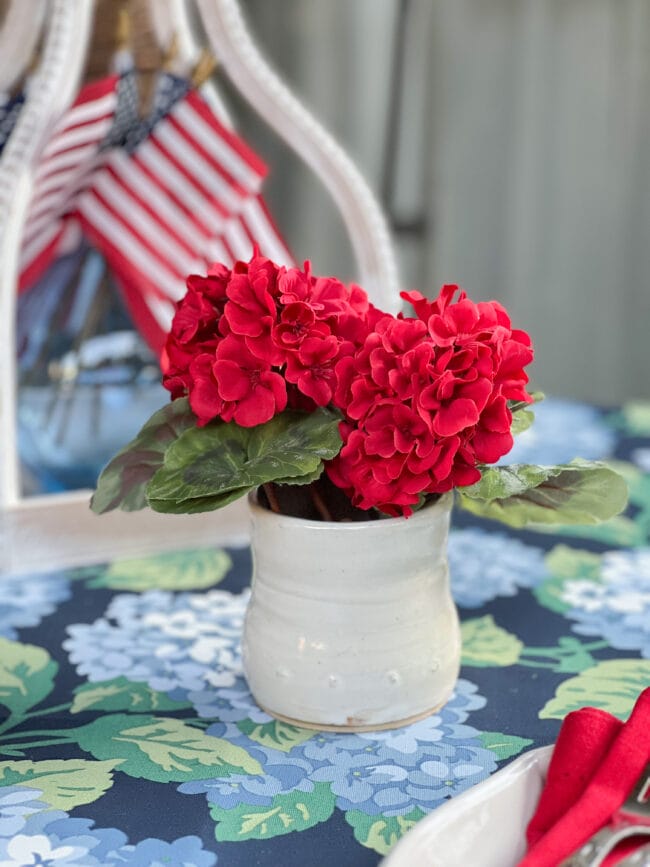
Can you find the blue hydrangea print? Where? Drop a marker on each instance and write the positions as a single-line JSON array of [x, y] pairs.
[[387, 773], [26, 599], [31, 834], [563, 430], [618, 606], [180, 644], [484, 565]]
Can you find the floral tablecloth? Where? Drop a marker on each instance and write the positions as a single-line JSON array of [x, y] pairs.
[[128, 735]]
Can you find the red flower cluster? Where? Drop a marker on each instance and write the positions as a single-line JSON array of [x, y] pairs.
[[424, 400], [247, 342]]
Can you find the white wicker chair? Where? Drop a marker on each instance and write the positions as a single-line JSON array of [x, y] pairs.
[[58, 530]]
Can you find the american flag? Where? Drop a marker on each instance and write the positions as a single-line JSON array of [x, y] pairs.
[[67, 164], [187, 195]]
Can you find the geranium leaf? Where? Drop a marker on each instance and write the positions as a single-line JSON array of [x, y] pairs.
[[198, 504], [522, 414], [581, 492], [522, 419], [26, 675], [162, 749], [515, 405], [122, 694], [219, 462], [122, 483], [65, 783], [307, 479], [295, 811]]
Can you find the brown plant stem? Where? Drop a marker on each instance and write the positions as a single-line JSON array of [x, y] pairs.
[[319, 502], [271, 497]]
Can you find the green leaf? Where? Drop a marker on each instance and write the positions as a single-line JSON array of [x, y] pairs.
[[620, 531], [515, 405], [565, 564], [122, 694], [65, 783], [503, 746], [613, 685], [198, 504], [178, 570], [163, 749], [486, 645], [27, 675], [209, 466], [580, 492], [275, 734], [522, 419], [122, 483], [381, 832], [295, 811]]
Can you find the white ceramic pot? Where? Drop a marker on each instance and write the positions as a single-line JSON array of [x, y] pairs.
[[351, 626]]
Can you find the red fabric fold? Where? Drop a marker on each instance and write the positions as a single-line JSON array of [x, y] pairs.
[[598, 762], [585, 737]]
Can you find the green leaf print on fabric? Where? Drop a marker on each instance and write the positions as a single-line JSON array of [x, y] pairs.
[[486, 645], [65, 783], [27, 675], [565, 564], [162, 749], [381, 832], [503, 746], [633, 418], [179, 570], [275, 734], [613, 685], [295, 811], [122, 694]]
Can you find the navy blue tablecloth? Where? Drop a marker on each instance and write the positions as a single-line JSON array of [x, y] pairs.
[[128, 735]]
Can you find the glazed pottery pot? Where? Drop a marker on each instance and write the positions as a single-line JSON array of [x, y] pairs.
[[351, 626]]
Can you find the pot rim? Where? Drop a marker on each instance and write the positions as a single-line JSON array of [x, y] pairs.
[[439, 507]]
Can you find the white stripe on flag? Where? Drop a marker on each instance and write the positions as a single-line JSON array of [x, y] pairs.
[[163, 311], [197, 167], [169, 176], [52, 192], [143, 186], [67, 162], [86, 111], [238, 240], [265, 233], [38, 244], [155, 232], [218, 147], [217, 252], [73, 138], [130, 247]]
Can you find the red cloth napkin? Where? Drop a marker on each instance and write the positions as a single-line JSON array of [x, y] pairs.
[[595, 764]]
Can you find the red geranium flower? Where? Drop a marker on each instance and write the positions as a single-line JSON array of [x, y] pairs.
[[257, 392], [424, 399]]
